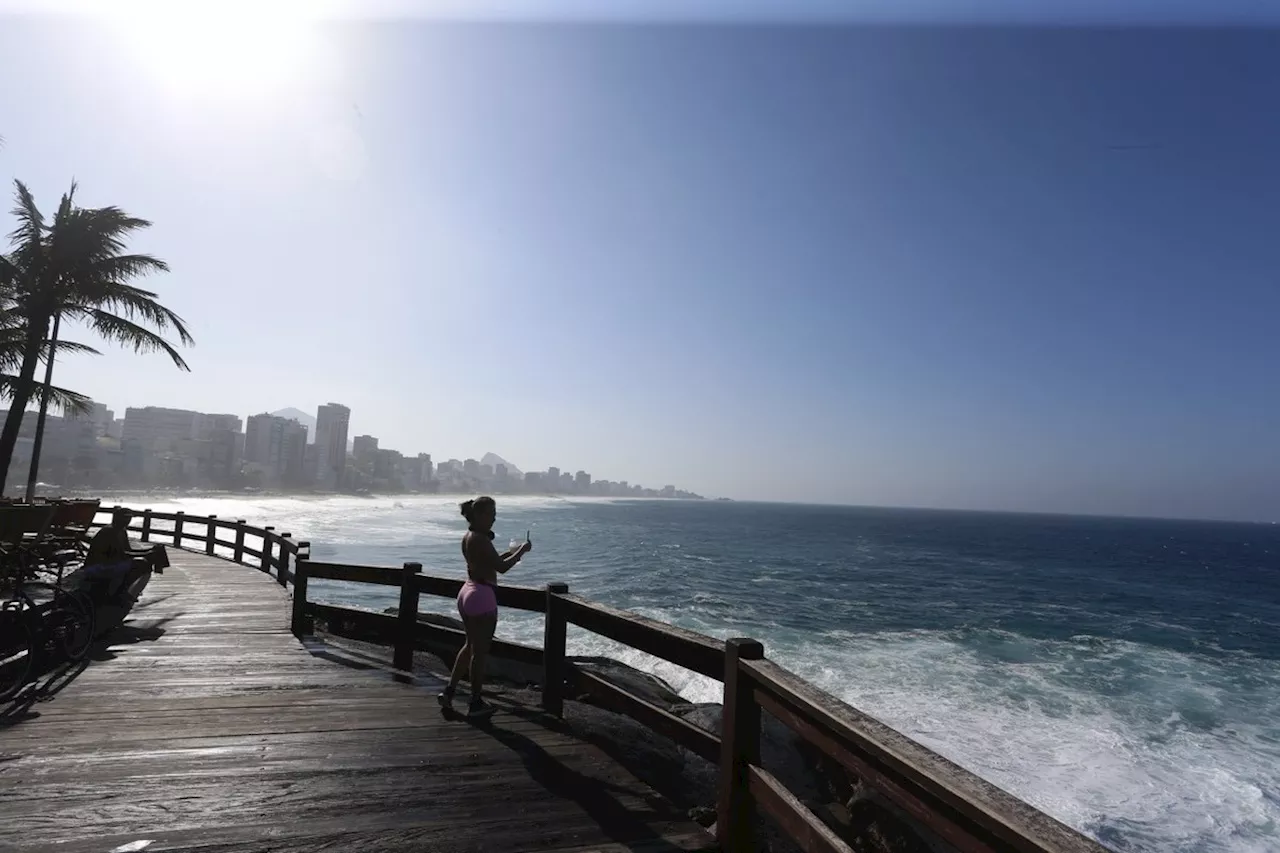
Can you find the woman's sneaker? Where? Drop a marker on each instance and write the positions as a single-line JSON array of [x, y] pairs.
[[479, 709], [445, 698]]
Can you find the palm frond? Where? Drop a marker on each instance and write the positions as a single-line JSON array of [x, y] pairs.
[[129, 334], [63, 399], [133, 303], [10, 273], [68, 348], [119, 268], [31, 225]]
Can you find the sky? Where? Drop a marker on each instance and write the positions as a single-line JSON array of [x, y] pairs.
[[779, 252]]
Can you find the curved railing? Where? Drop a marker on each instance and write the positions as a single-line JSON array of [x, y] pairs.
[[275, 553], [963, 811]]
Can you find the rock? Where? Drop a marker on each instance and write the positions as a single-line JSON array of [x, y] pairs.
[[703, 816], [636, 682], [781, 750]]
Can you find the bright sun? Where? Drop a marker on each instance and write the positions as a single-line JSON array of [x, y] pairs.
[[230, 46]]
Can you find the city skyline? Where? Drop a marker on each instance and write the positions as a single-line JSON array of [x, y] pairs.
[[1023, 268], [169, 447]]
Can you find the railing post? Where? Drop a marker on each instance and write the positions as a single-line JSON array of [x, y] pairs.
[[239, 546], [146, 525], [212, 536], [266, 549], [407, 618], [282, 565], [553, 642], [177, 529], [739, 748], [301, 622]]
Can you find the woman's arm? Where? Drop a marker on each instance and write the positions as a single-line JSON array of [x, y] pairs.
[[487, 556], [508, 560]]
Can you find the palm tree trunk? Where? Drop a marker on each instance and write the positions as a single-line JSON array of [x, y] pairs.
[[21, 396], [44, 409]]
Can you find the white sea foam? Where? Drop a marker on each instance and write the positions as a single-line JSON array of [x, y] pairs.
[[1164, 775]]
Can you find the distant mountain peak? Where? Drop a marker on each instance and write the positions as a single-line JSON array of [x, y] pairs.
[[308, 421], [495, 460]]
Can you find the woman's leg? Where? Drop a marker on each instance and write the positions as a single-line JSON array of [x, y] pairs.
[[461, 664], [479, 635]]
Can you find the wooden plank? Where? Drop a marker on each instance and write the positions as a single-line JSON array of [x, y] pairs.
[[697, 740], [519, 597], [965, 810], [499, 648], [381, 628], [739, 749], [800, 824], [689, 649], [203, 724], [356, 574]]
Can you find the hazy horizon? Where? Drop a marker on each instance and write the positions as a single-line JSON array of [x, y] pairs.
[[974, 268], [162, 492]]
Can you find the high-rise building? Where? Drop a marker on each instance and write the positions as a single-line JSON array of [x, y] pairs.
[[552, 481], [98, 415], [428, 474], [263, 436], [332, 422], [293, 448], [471, 467], [387, 464], [206, 425], [157, 429], [276, 445], [224, 454], [364, 448], [582, 482]]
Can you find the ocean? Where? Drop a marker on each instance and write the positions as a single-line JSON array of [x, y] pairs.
[[1122, 675]]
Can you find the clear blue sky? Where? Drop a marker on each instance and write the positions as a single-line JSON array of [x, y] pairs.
[[968, 267]]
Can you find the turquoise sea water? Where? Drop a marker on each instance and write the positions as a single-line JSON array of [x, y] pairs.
[[1122, 675]]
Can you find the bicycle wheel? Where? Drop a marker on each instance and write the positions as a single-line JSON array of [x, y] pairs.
[[73, 622], [17, 652]]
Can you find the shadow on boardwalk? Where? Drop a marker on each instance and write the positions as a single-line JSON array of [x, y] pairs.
[[202, 723], [55, 676]]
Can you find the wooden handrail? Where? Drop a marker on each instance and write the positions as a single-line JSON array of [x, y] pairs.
[[963, 810], [968, 812]]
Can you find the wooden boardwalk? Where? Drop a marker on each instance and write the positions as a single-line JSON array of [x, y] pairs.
[[203, 724]]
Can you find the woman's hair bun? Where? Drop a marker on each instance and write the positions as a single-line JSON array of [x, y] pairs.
[[466, 509]]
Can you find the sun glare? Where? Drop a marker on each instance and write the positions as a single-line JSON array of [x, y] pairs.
[[229, 47]]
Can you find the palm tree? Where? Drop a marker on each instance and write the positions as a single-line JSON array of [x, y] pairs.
[[75, 269]]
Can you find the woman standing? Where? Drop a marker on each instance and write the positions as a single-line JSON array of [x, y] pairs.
[[477, 601]]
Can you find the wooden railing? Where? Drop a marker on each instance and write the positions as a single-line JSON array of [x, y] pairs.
[[962, 810], [276, 552]]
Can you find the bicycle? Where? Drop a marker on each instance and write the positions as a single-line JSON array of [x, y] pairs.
[[41, 623]]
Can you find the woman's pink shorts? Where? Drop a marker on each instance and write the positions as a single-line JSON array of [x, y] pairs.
[[477, 599]]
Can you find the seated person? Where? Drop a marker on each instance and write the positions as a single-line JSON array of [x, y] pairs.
[[112, 564]]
